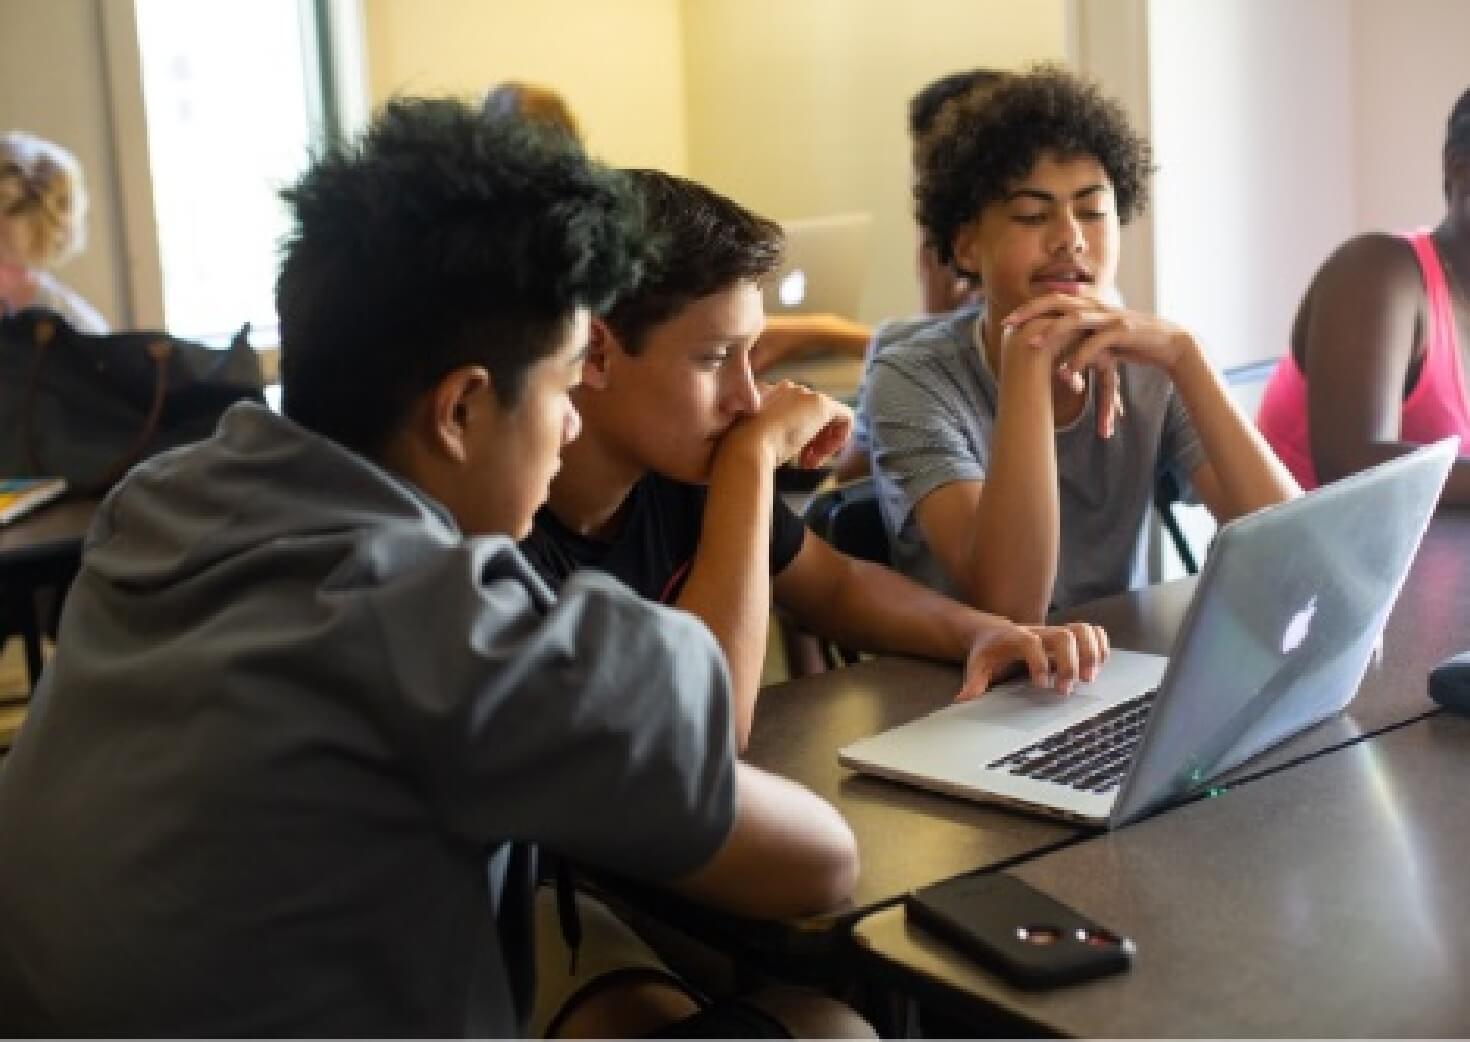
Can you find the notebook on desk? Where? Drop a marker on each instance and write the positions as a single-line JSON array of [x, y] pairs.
[[822, 268], [1284, 619], [19, 496]]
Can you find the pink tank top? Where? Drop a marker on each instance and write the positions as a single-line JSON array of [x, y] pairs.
[[1436, 407]]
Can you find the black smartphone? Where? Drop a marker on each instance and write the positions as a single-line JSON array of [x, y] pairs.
[[1029, 938]]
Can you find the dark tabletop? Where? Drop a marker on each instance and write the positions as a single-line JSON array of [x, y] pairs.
[[1326, 900], [54, 528], [908, 838]]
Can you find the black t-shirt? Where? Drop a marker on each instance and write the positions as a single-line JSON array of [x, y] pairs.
[[656, 546]]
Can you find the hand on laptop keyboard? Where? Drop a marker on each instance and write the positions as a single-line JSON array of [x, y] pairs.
[[1054, 656]]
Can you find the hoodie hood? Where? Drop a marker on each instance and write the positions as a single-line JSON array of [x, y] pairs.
[[261, 482]]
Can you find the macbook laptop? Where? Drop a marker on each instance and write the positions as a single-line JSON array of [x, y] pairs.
[[1284, 619], [823, 268]]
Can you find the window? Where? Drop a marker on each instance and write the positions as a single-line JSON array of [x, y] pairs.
[[236, 97]]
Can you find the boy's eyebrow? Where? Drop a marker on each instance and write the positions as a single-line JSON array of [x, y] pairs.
[[1048, 197], [722, 339]]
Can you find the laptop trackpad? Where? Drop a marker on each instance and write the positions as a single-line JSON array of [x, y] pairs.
[[1035, 709]]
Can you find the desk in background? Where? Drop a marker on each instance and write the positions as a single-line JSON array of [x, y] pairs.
[[834, 374], [39, 551]]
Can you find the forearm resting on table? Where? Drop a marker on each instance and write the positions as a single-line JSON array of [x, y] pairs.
[[873, 608]]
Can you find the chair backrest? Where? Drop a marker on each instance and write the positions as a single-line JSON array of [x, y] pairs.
[[848, 517], [1166, 494]]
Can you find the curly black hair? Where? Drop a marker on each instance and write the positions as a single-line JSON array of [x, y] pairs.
[[706, 243], [924, 106], [987, 140], [441, 239]]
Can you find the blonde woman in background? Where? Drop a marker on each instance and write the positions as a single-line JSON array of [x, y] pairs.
[[43, 208]]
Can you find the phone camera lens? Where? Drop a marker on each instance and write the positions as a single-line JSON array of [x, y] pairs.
[[1041, 936]]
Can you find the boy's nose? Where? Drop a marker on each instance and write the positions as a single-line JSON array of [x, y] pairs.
[[742, 396]]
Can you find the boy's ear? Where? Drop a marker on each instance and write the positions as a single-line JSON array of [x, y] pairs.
[[602, 346], [963, 247], [455, 406]]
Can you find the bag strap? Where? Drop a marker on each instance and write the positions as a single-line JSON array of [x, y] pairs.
[[158, 350]]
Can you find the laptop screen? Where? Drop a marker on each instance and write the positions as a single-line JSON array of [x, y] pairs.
[[1284, 620], [823, 268]]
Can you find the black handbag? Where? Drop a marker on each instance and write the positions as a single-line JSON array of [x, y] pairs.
[[87, 407]]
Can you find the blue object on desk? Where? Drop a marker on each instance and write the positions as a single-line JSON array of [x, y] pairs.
[[1449, 683]]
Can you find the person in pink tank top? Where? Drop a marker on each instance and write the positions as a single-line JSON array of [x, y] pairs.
[[1378, 346]]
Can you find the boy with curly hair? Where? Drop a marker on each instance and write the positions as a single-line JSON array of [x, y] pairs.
[[312, 713], [1020, 492]]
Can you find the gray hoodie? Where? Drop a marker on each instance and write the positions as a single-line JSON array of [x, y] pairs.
[[292, 717]]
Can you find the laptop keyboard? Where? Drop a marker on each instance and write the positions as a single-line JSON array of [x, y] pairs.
[[1090, 756]]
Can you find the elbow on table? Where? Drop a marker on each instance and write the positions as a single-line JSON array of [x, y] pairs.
[[832, 882]]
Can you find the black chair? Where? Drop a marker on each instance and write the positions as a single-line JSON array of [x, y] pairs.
[[1166, 494], [849, 518]]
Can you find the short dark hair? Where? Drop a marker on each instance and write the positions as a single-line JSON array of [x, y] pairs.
[[706, 243], [925, 105], [987, 140], [440, 239], [1457, 132]]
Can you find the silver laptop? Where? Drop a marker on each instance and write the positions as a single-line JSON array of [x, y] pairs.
[[823, 268], [1284, 619]]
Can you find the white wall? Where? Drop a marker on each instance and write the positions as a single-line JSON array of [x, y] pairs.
[[1253, 133], [52, 83], [798, 107], [619, 64], [1411, 60]]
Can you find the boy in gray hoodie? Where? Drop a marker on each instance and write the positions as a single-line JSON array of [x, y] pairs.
[[311, 713]]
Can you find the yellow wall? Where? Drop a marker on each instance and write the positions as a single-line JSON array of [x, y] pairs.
[[619, 64], [798, 107], [794, 107]]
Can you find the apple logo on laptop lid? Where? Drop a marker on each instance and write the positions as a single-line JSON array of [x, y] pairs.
[[1296, 629], [792, 289]]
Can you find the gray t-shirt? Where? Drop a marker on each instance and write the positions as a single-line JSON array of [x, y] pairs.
[[288, 768], [893, 331], [930, 403]]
